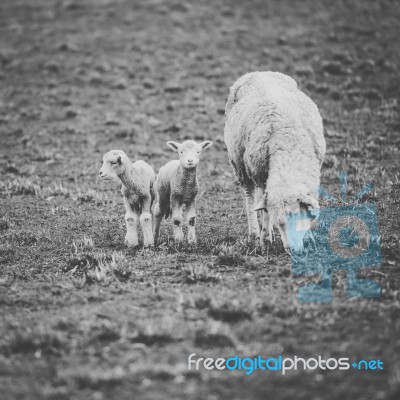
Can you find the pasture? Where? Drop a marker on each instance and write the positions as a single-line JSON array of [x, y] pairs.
[[84, 317]]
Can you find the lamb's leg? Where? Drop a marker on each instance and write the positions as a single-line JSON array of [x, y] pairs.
[[147, 223], [152, 207], [132, 222], [177, 211], [161, 209], [254, 229], [191, 221], [159, 213]]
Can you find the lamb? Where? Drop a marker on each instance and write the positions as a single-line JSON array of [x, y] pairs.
[[177, 185], [138, 191], [274, 136]]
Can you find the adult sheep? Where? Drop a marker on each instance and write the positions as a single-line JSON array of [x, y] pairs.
[[275, 141]]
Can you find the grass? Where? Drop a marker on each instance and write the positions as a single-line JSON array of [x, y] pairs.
[[82, 315], [35, 340], [21, 186], [199, 273], [214, 334]]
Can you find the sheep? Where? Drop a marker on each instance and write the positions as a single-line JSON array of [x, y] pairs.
[[274, 136], [177, 185], [138, 191]]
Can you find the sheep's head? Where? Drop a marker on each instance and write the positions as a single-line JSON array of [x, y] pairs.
[[113, 164], [189, 151], [278, 210]]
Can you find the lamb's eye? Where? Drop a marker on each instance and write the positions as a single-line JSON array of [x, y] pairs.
[[113, 162]]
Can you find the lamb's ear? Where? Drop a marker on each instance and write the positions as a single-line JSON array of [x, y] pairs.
[[260, 206], [205, 145], [119, 160], [173, 145]]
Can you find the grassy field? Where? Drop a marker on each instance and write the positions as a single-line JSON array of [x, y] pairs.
[[82, 316]]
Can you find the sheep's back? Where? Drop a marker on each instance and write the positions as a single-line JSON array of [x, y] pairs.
[[145, 169], [147, 177], [267, 116]]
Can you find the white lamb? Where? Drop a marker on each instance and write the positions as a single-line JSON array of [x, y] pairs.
[[138, 190], [275, 142], [177, 185]]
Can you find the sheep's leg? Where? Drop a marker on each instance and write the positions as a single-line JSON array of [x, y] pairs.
[[132, 223], [284, 236], [191, 221], [259, 195], [147, 223], [177, 211], [264, 230], [254, 229], [158, 216], [162, 205], [161, 209]]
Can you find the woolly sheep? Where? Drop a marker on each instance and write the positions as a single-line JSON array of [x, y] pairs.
[[177, 185], [138, 191], [274, 136]]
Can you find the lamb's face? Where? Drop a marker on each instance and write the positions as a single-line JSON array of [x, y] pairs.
[[189, 152], [112, 165]]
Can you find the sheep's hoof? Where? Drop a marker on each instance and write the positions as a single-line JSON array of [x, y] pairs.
[[288, 250], [263, 247], [254, 236], [131, 245]]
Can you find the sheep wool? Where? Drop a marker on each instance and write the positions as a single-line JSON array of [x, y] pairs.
[[177, 185], [274, 136], [138, 192]]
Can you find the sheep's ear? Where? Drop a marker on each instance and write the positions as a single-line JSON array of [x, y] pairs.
[[205, 145], [119, 160], [260, 206], [173, 145]]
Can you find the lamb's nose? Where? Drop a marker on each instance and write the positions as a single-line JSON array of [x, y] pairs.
[[190, 161], [100, 173]]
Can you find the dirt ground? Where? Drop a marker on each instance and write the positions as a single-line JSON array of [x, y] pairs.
[[82, 316]]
